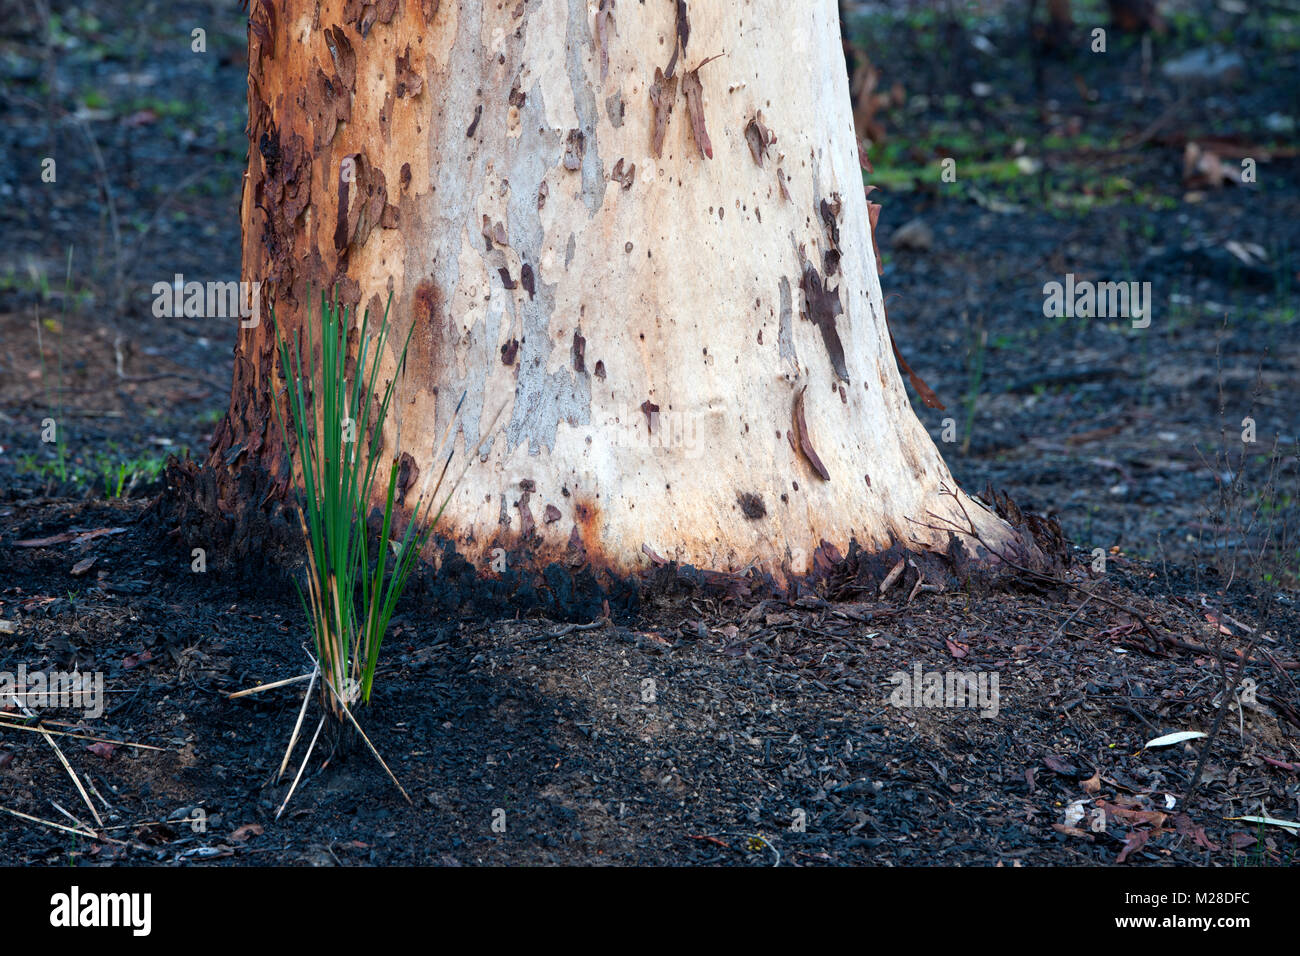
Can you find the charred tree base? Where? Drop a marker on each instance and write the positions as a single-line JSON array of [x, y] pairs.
[[240, 521], [256, 544]]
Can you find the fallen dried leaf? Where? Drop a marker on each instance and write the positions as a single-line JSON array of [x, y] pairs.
[[1219, 624], [1184, 825], [1072, 831], [246, 831], [1130, 816], [1060, 765], [1134, 840], [1169, 740], [1289, 825], [78, 537]]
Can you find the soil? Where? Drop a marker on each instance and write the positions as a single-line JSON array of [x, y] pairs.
[[695, 727]]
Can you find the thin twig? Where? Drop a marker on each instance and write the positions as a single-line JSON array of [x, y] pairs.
[[348, 712], [56, 826], [80, 823], [39, 729], [68, 767], [293, 740], [302, 767], [271, 686]]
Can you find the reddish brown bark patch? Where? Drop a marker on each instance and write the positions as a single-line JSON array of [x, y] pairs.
[[407, 473], [409, 83], [428, 312]]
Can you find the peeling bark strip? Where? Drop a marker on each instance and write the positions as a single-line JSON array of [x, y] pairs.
[[683, 34], [694, 91], [822, 306], [329, 103], [344, 57], [495, 233], [574, 147], [526, 523], [263, 29], [651, 414], [804, 440], [873, 213], [407, 473], [363, 16], [409, 83], [865, 161], [359, 210], [662, 93], [759, 138], [579, 352], [830, 211], [923, 390], [605, 27], [623, 176], [341, 223]]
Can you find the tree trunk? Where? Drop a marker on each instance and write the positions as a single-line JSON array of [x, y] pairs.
[[640, 229]]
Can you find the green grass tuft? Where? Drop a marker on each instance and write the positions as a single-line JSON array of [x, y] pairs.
[[336, 423]]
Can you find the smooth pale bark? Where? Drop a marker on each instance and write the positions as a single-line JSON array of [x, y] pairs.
[[495, 198]]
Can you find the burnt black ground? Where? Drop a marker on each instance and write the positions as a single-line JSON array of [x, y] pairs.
[[694, 734], [756, 711]]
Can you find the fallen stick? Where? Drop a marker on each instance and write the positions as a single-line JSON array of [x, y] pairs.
[[38, 729], [51, 823], [271, 686]]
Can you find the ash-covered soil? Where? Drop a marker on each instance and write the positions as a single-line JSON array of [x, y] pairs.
[[695, 729]]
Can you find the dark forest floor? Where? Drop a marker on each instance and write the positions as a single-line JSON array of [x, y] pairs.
[[695, 730]]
